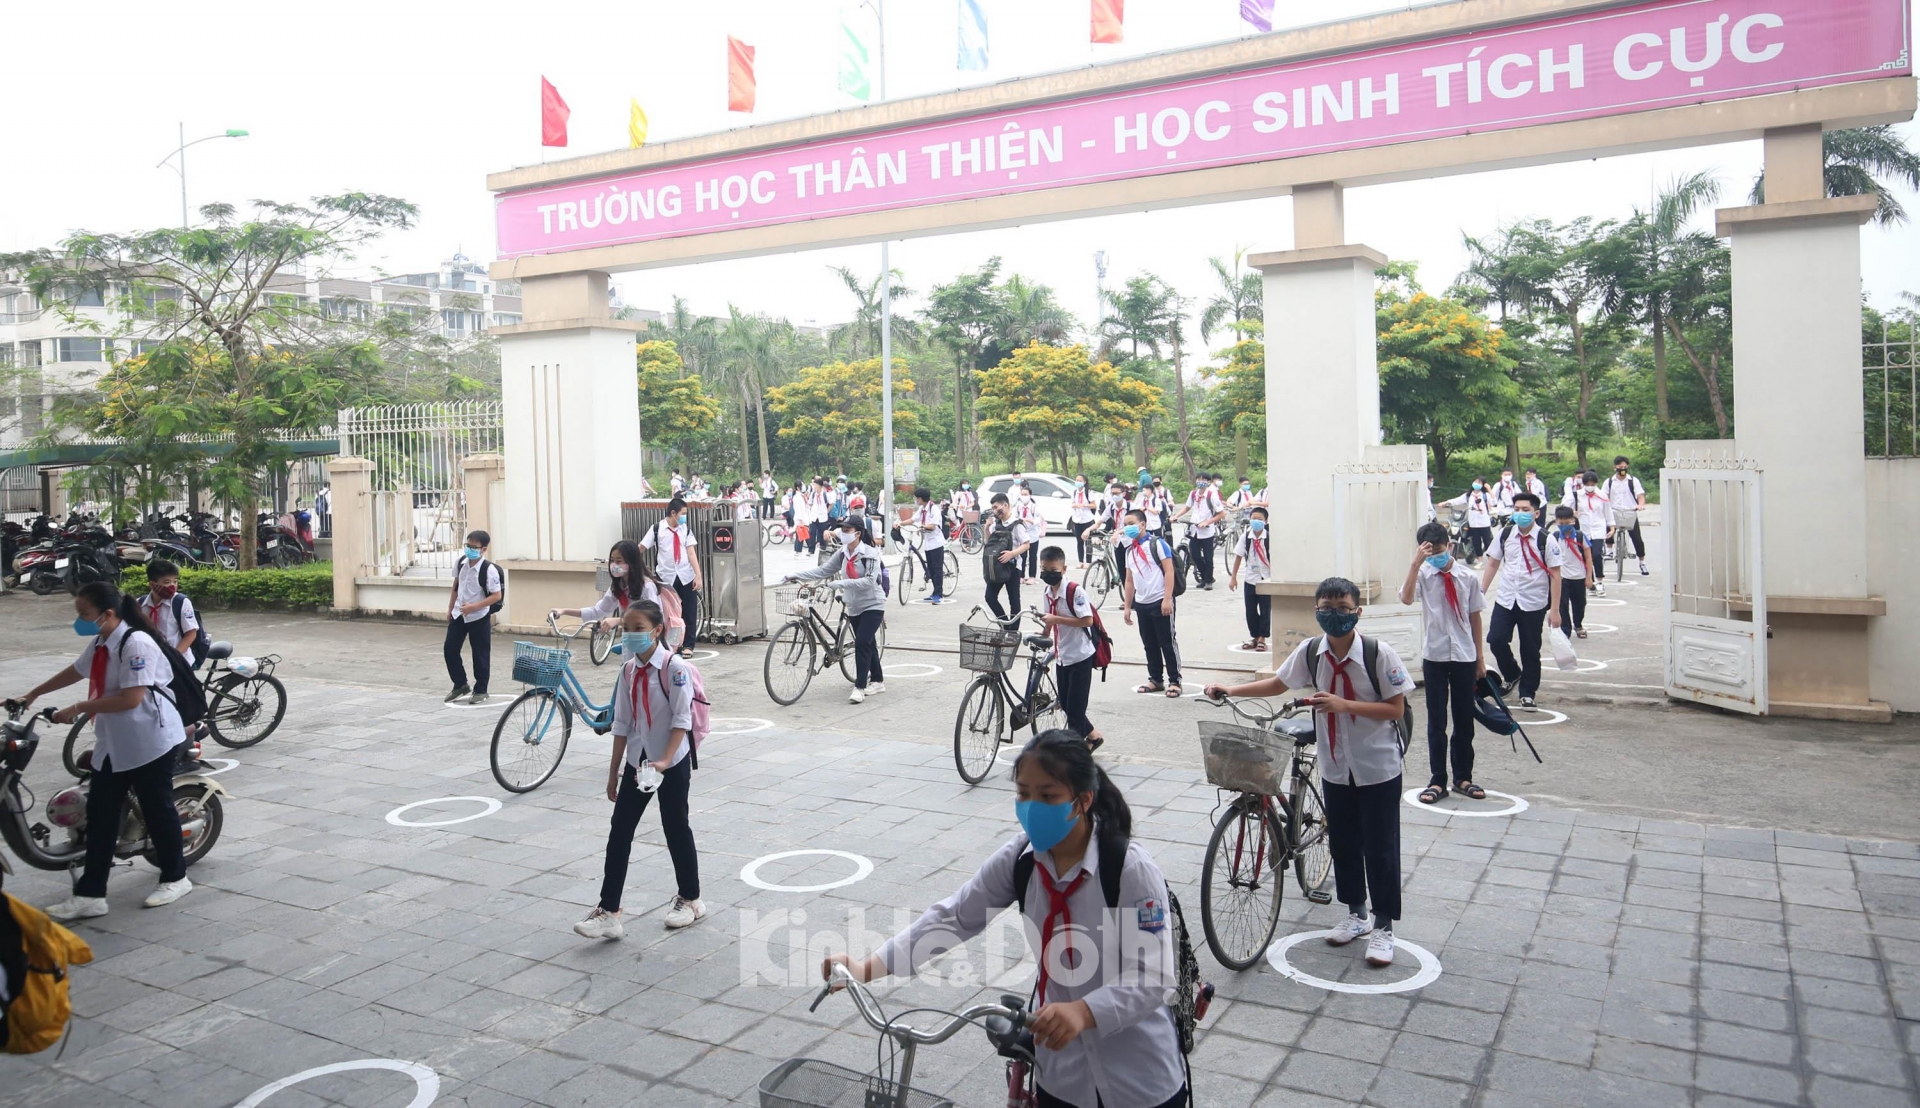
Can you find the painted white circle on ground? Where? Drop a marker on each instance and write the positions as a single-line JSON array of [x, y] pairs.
[[755, 722], [1515, 804], [1590, 665], [426, 1082], [225, 764], [1528, 719], [893, 669], [1601, 628], [1429, 967], [463, 705], [1605, 602], [698, 655], [1237, 649], [394, 817], [751, 873]]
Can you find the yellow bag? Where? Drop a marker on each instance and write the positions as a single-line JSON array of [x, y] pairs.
[[37, 1016]]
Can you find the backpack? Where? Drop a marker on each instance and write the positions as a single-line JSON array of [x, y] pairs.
[[39, 1005], [1540, 534], [999, 541], [1179, 583], [1370, 658], [671, 608], [201, 642], [701, 723], [183, 688], [1102, 642], [1190, 994], [493, 609]]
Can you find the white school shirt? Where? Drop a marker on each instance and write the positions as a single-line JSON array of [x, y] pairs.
[[1478, 506], [817, 508], [1571, 489], [1538, 488], [1246, 498], [768, 487], [745, 506], [1131, 1058], [673, 559], [468, 589], [1449, 632], [647, 723], [962, 500], [161, 617], [130, 739], [677, 485], [1353, 750], [1148, 505], [1572, 566], [1624, 494], [1503, 491], [1143, 566], [1256, 557], [1082, 506], [1595, 512], [1203, 504], [609, 604], [1027, 513], [930, 517], [1022, 530], [1074, 643], [1524, 581]]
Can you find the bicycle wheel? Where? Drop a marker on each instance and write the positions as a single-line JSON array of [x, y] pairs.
[[970, 538], [792, 659], [979, 729], [1240, 887], [246, 709], [70, 753], [1046, 694], [200, 823], [530, 740], [848, 662], [953, 570], [1098, 581], [599, 643], [903, 588], [1307, 831]]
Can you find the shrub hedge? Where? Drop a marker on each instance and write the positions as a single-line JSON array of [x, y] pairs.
[[302, 587]]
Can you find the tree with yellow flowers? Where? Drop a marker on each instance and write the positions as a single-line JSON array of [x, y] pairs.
[[1055, 398], [837, 405], [1445, 374], [674, 409]]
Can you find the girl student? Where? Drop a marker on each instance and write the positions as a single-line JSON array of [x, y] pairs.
[[856, 570], [652, 710], [1479, 508], [1085, 510], [631, 581], [1104, 1036]]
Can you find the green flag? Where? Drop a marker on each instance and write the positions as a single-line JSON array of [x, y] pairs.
[[854, 62]]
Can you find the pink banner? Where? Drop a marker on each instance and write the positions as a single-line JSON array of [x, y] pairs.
[[1634, 59]]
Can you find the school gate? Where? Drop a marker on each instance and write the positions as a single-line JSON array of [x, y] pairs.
[[1443, 89]]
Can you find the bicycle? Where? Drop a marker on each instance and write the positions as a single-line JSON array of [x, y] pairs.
[[804, 646], [600, 639], [969, 532], [1103, 566], [526, 749], [1624, 521], [990, 702], [236, 704], [903, 588], [813, 1083], [1275, 820], [774, 533]]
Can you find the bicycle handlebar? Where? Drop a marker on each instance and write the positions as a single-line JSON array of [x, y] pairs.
[[1259, 719], [842, 980]]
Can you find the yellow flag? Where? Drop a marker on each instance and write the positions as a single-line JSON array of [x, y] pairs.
[[636, 125]]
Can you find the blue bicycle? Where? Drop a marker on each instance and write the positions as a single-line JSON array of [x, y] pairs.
[[531, 737]]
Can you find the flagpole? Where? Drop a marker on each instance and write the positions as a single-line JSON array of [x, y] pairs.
[[886, 328]]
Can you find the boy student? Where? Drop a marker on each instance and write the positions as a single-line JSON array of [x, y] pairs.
[[1536, 486], [1504, 492], [1204, 511], [1253, 553], [1069, 619], [674, 563], [1528, 561], [1146, 592], [1451, 600], [1575, 571], [1626, 494], [1355, 708], [1595, 515], [171, 613], [930, 542], [1001, 518], [477, 587]]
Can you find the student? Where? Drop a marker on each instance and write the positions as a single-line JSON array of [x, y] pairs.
[[1114, 513], [1595, 515], [676, 565], [1536, 486], [1027, 510], [1506, 490], [1246, 496], [856, 571], [171, 613], [1084, 504], [652, 710], [1528, 561], [136, 729], [857, 507], [930, 542], [675, 485], [1360, 760], [1451, 603], [323, 507], [1626, 494], [1479, 508], [963, 499], [1203, 512], [1570, 491], [1253, 551], [1073, 819], [470, 617], [769, 488], [1146, 502], [1069, 619], [630, 582], [1575, 571], [1001, 518], [1146, 591]]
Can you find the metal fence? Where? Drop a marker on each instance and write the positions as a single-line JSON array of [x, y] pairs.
[[1888, 359], [419, 498]]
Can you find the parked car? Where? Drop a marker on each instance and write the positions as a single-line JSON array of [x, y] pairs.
[[1052, 492]]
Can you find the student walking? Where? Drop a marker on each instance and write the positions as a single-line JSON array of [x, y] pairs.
[[630, 581], [1203, 511], [769, 488], [1506, 490], [930, 542], [1626, 494], [856, 570], [1528, 561], [1068, 615], [1451, 605], [1479, 508], [171, 612], [1246, 496], [652, 714], [1084, 505], [1575, 572], [477, 586], [1146, 594], [1020, 538], [1252, 552], [676, 565], [1076, 842], [1594, 513], [1027, 511]]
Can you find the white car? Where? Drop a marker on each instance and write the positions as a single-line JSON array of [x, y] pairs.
[[1051, 492]]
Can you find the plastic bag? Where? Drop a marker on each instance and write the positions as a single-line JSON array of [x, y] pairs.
[[1562, 647]]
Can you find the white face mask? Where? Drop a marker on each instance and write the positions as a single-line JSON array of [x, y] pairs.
[[617, 569]]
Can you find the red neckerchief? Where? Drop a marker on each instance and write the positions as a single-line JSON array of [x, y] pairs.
[[97, 671], [1453, 590], [1527, 555], [853, 566], [1145, 561], [645, 704], [1340, 675], [1057, 910], [153, 609], [1257, 544]]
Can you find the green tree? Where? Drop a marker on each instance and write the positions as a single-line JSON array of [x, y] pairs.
[[1144, 312], [838, 404], [1444, 374], [1571, 273], [1058, 398], [1240, 299], [1031, 313], [1654, 242], [860, 337], [1237, 405], [966, 314], [674, 406], [696, 337], [1854, 160]]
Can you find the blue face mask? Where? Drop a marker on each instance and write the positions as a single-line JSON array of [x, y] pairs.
[[1045, 824], [635, 643], [1439, 561], [1257, 525], [1566, 529], [1246, 486], [472, 554], [1523, 519], [1132, 530], [1336, 621], [85, 628]]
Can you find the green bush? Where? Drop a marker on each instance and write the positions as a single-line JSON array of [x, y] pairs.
[[308, 586]]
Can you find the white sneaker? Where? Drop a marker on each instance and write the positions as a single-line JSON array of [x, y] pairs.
[[1599, 590], [858, 696], [1643, 570], [876, 688], [600, 924], [78, 907], [166, 893], [1380, 948], [685, 913], [1348, 930]]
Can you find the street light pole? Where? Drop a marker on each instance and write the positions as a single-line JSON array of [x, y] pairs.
[[180, 154], [886, 327]]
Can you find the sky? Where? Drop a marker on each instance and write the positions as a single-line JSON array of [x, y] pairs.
[[421, 101]]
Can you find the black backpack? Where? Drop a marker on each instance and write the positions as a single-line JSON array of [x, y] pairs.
[[999, 541], [1179, 583], [1370, 658], [202, 642], [183, 689], [494, 608]]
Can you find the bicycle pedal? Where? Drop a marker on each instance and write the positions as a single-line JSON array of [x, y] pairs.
[[1320, 896]]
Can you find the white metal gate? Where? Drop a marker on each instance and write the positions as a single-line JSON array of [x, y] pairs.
[[419, 481], [1716, 611], [1377, 507]]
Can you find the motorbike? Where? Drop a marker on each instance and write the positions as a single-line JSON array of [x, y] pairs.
[[88, 554], [60, 842], [40, 568], [277, 542]]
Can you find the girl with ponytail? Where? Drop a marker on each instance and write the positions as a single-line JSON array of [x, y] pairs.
[[632, 581], [1077, 832]]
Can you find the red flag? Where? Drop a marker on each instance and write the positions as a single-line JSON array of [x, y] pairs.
[[553, 115], [740, 87], [1108, 17]]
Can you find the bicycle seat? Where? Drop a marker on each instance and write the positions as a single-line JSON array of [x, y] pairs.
[[1300, 730], [1038, 642], [219, 650]]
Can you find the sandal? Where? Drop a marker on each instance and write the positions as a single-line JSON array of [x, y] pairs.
[[1095, 742], [1582, 632], [1173, 692], [1149, 688], [1250, 645], [1433, 794], [1470, 790]]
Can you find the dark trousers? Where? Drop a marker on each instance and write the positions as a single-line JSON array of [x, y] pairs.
[[689, 611], [106, 796], [866, 647], [1449, 692], [935, 563], [1045, 1099], [1639, 544], [326, 525], [1031, 560], [766, 507], [1573, 605], [1011, 586], [1076, 688], [813, 538], [1478, 539], [1156, 635], [674, 785], [1259, 611], [479, 636], [1200, 552], [1080, 541], [1597, 549], [1500, 645], [1363, 835]]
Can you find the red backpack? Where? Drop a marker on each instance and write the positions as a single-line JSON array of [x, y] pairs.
[[1102, 642]]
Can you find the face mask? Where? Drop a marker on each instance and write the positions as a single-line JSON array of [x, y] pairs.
[[165, 592], [1506, 478], [1045, 824], [85, 628], [1051, 577], [617, 569], [851, 538], [1523, 520], [1079, 484], [840, 488], [1246, 486], [1336, 621], [966, 487], [635, 643], [1476, 486], [1439, 561], [1593, 488], [472, 554], [1566, 529], [1257, 526], [1132, 530], [1620, 470]]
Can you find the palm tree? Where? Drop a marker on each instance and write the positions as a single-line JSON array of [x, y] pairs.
[[1241, 297], [1144, 311], [1032, 314], [753, 346], [860, 337], [1494, 275], [1854, 161], [696, 337], [1656, 239]]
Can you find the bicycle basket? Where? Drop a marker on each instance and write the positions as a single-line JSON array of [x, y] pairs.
[[987, 649], [540, 665], [1244, 759], [811, 1083], [787, 600]]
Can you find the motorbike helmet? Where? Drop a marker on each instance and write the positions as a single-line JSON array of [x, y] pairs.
[[68, 808], [244, 667]]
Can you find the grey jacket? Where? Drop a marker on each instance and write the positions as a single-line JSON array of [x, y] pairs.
[[862, 593]]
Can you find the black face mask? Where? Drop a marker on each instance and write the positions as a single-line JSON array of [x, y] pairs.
[[1051, 577]]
